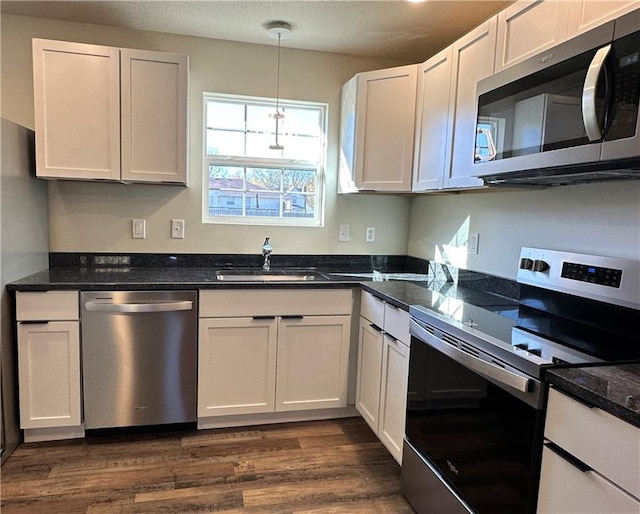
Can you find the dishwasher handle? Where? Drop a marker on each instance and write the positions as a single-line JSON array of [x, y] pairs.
[[97, 306]]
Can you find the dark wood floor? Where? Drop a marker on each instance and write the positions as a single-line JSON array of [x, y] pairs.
[[320, 467]]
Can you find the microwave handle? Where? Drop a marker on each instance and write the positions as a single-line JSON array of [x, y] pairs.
[[594, 131]]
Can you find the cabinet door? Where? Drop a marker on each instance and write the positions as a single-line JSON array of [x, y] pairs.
[[154, 116], [473, 57], [528, 27], [385, 116], [77, 110], [393, 395], [236, 366], [587, 14], [49, 374], [565, 488], [313, 359], [369, 371], [433, 132]]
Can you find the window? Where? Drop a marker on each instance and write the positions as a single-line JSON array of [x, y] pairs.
[[248, 182]]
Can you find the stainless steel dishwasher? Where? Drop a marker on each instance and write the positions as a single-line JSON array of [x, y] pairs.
[[139, 357]]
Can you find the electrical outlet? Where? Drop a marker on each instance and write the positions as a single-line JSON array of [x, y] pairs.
[[343, 233], [370, 235], [177, 229], [138, 229], [472, 247]]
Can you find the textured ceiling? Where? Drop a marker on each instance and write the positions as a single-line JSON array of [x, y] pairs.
[[393, 29]]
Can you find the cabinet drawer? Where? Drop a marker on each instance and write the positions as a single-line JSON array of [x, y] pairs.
[[47, 305], [396, 323], [565, 488], [274, 302], [372, 308], [602, 441]]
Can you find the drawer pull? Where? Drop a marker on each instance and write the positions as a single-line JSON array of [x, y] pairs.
[[375, 327], [389, 336], [34, 322], [567, 457], [293, 316], [263, 317]]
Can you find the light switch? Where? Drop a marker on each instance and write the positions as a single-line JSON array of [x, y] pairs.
[[343, 233], [177, 229]]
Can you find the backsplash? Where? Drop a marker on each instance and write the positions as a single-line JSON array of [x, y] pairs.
[[329, 263]]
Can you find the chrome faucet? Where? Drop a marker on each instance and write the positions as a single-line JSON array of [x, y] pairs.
[[266, 253]]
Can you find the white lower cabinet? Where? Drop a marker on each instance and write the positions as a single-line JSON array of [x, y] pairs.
[[369, 372], [49, 365], [236, 366], [393, 394], [383, 370], [590, 461], [313, 354], [266, 351]]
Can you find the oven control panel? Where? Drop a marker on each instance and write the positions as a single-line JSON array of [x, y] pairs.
[[594, 274], [608, 279]]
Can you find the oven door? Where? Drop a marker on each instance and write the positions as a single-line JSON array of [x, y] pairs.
[[473, 433]]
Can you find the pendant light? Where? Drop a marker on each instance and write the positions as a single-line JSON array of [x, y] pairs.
[[278, 30]]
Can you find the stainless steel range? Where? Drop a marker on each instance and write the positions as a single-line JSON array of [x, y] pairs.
[[476, 378]]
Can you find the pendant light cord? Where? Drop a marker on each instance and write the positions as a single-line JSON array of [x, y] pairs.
[[278, 78]]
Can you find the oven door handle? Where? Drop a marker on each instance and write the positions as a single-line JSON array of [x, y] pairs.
[[501, 375]]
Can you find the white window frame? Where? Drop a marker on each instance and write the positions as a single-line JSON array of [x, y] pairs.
[[261, 162]]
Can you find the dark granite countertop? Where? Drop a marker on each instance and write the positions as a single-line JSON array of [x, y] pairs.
[[612, 388], [398, 288], [88, 279]]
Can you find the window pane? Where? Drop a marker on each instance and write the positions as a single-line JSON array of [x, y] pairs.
[[221, 142], [259, 117], [226, 177], [258, 146], [302, 148], [302, 181], [225, 191], [304, 121], [224, 115], [264, 179]]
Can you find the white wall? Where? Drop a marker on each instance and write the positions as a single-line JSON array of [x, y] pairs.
[[24, 250], [601, 219], [94, 217]]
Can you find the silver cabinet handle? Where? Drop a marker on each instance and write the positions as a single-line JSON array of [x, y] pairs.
[[594, 132], [138, 307]]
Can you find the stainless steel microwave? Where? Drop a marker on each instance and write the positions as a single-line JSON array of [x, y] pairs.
[[565, 116]]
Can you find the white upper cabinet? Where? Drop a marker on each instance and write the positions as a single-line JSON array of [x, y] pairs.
[[528, 27], [103, 113], [154, 116], [77, 110], [445, 133], [432, 153], [377, 130], [588, 14], [473, 58]]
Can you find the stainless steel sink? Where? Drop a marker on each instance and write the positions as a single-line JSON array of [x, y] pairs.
[[244, 275]]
